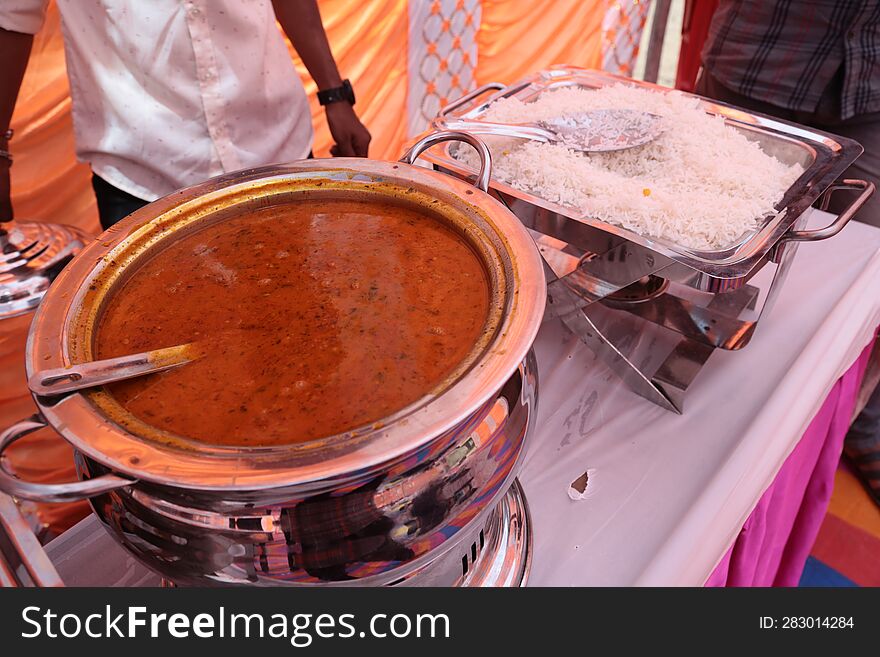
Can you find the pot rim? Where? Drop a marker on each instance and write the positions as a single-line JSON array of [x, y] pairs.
[[53, 335]]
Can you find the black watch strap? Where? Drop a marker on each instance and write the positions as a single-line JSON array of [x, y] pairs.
[[337, 94]]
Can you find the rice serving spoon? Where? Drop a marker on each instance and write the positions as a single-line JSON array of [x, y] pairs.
[[593, 131]]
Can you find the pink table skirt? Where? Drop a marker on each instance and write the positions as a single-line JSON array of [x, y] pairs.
[[776, 540]]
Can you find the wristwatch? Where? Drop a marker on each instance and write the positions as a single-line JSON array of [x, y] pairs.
[[337, 94]]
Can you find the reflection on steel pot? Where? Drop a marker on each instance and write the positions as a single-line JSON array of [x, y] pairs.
[[386, 503]]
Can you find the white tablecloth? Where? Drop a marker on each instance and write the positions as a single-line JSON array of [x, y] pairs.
[[668, 494]]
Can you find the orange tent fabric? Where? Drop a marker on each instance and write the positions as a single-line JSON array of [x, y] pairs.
[[517, 38], [47, 182]]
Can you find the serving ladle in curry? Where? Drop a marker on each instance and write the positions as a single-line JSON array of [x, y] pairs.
[[593, 131], [109, 370]]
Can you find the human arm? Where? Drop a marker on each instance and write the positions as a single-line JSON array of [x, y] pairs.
[[301, 21], [15, 49]]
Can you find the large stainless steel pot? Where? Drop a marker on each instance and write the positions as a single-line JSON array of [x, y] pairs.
[[378, 505]]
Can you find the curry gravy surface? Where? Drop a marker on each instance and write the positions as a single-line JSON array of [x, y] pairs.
[[315, 318]]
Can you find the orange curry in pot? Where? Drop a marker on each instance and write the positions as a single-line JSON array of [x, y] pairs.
[[313, 318]]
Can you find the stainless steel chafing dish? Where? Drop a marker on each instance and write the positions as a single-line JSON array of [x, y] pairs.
[[608, 283], [419, 497]]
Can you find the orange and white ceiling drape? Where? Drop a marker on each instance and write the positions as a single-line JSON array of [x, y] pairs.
[[404, 57]]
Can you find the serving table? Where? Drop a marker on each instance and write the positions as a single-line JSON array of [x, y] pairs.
[[666, 496]]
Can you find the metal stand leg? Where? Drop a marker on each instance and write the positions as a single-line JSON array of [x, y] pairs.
[[687, 359], [575, 284]]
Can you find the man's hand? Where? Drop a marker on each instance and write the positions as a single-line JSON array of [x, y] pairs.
[[351, 137], [301, 21]]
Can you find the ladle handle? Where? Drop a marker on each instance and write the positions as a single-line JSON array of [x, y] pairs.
[[435, 138], [94, 373], [69, 492]]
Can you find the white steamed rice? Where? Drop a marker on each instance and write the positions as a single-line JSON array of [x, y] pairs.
[[701, 184]]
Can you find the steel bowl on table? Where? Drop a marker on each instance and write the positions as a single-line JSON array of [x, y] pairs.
[[386, 503]]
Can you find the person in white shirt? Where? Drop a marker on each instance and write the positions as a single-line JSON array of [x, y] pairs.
[[168, 93]]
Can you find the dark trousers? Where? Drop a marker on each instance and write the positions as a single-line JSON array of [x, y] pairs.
[[113, 203], [862, 444]]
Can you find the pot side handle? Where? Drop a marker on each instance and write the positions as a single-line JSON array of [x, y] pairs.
[[435, 138], [867, 188], [69, 492]]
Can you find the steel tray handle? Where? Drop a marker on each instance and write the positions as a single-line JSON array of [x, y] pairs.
[[435, 138], [468, 98], [70, 492], [842, 219]]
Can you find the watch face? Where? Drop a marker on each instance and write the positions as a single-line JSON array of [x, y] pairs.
[[348, 91]]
